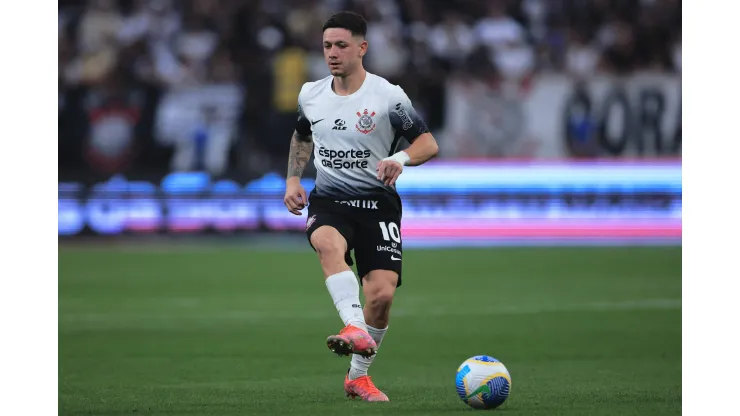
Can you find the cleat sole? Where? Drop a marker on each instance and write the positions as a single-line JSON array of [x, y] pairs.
[[339, 346], [343, 348]]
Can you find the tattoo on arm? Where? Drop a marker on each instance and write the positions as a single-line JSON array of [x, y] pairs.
[[300, 153]]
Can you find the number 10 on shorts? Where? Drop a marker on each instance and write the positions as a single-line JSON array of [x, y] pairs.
[[390, 231]]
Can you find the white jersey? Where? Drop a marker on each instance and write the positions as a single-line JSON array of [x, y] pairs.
[[352, 133]]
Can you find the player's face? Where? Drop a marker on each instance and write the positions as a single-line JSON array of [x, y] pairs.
[[342, 51]]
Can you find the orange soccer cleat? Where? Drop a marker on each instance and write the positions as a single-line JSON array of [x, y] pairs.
[[352, 340], [363, 388]]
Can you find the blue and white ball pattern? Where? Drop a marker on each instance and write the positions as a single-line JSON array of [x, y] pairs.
[[483, 382]]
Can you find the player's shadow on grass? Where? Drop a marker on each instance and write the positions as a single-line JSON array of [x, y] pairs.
[[447, 409]]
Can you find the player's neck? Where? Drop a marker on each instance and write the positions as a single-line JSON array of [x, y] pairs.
[[349, 84]]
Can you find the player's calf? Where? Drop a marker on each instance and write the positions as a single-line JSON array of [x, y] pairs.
[[379, 287], [378, 307]]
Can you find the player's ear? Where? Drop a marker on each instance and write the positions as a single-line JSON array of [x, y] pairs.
[[363, 48]]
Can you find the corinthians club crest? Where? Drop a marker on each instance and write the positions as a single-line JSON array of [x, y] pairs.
[[366, 124]]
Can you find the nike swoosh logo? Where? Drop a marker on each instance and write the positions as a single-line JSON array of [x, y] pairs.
[[482, 389], [314, 122], [395, 258]]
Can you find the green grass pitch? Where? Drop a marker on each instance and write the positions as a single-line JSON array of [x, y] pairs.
[[227, 331]]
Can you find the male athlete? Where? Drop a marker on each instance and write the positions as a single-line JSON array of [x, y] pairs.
[[353, 121]]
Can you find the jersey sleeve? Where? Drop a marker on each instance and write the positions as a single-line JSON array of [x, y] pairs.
[[404, 119], [302, 125]]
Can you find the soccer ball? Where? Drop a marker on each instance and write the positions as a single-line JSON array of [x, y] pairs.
[[483, 382]]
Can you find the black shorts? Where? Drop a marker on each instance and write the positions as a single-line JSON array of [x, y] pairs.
[[371, 225]]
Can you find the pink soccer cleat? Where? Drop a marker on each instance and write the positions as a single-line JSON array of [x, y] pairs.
[[363, 388], [352, 340]]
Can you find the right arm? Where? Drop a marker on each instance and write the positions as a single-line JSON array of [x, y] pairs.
[[301, 147]]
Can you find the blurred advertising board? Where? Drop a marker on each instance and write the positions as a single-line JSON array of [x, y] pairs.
[[455, 202]]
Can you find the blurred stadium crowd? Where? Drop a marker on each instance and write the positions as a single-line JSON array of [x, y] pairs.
[[162, 85]]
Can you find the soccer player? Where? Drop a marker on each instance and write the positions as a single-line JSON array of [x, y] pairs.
[[353, 122]]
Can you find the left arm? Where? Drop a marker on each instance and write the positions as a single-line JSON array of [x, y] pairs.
[[422, 149], [407, 123]]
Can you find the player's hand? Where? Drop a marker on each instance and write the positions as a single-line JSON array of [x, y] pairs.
[[389, 171], [295, 196]]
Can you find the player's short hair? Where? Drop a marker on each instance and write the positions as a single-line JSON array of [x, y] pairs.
[[351, 21]]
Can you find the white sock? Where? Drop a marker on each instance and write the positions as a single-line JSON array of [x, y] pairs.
[[359, 365], [345, 291]]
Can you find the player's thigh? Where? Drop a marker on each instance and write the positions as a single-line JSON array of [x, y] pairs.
[[327, 239], [329, 233], [379, 247]]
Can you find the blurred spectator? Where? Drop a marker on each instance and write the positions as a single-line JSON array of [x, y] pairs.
[[676, 52], [497, 29], [196, 43], [99, 26], [581, 57], [387, 55], [96, 42], [452, 39]]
